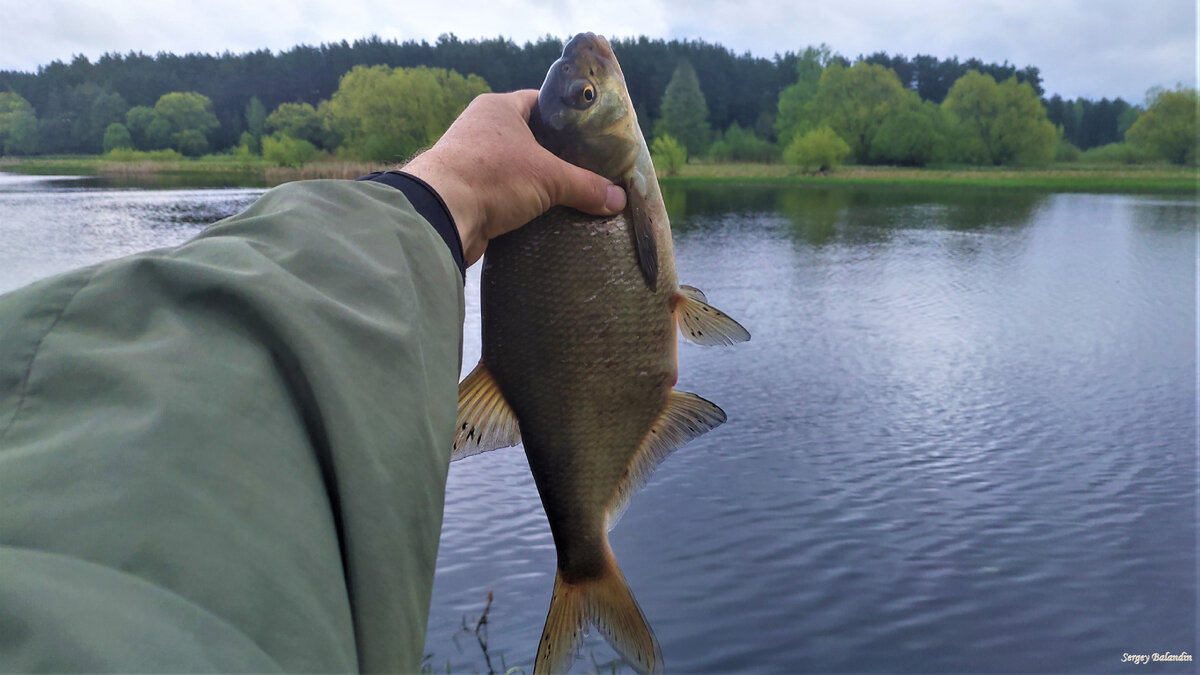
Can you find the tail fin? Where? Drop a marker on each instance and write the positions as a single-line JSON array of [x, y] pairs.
[[606, 603]]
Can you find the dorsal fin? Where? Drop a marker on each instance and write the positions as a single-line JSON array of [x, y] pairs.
[[685, 417], [704, 324], [485, 422]]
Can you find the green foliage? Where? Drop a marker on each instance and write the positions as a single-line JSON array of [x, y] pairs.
[[137, 121], [74, 119], [298, 120], [1167, 129], [248, 145], [190, 118], [818, 150], [1126, 119], [1066, 151], [684, 112], [130, 155], [668, 155], [256, 121], [158, 134], [18, 125], [998, 123], [793, 114], [741, 145], [117, 136], [1087, 124], [190, 142], [855, 101], [386, 114], [737, 87], [1116, 153], [283, 150], [243, 152], [910, 137]]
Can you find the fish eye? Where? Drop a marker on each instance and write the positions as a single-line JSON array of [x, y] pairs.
[[581, 95]]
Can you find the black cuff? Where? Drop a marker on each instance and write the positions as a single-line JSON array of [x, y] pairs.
[[429, 205]]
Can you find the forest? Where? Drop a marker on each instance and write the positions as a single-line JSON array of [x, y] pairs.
[[693, 98]]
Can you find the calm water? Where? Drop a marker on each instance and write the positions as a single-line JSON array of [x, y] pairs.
[[963, 437]]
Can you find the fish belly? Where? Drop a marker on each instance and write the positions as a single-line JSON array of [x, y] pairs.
[[584, 353]]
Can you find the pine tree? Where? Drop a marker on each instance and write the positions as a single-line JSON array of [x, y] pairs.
[[684, 113]]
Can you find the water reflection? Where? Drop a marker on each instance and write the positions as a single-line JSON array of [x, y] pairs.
[[962, 438], [823, 215], [54, 224]]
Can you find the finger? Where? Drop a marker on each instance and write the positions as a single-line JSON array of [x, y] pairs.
[[589, 192], [525, 100]]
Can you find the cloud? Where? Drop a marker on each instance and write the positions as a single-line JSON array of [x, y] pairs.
[[1088, 48]]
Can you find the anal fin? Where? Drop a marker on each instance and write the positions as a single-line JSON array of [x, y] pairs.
[[704, 324], [685, 417], [485, 421]]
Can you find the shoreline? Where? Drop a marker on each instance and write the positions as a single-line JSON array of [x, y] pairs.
[[225, 171]]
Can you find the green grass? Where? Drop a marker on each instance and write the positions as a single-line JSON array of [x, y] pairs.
[[140, 168], [155, 169], [1066, 177]]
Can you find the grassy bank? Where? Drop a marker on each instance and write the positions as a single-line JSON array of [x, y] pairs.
[[228, 170], [1054, 178], [211, 170]]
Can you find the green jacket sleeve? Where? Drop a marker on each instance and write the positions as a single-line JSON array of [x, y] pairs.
[[231, 455]]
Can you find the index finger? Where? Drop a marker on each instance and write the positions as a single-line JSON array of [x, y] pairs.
[[525, 100]]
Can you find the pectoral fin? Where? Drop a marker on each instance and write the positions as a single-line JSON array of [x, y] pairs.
[[685, 417], [638, 209], [485, 422], [704, 324]]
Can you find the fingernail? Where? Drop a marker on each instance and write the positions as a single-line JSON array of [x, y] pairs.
[[614, 200]]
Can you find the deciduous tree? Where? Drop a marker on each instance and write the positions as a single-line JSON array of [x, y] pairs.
[[998, 123], [910, 137], [299, 121], [818, 150], [794, 116], [387, 114], [190, 118], [855, 101], [1167, 128], [117, 136], [18, 125], [668, 155]]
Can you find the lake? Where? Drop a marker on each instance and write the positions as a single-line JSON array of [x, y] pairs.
[[962, 438]]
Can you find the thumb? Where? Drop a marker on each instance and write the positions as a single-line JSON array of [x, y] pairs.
[[581, 189]]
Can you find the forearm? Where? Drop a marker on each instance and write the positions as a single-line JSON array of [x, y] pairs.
[[246, 435]]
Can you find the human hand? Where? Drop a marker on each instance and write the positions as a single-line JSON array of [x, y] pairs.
[[494, 177]]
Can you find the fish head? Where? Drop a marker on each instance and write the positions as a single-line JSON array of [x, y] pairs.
[[583, 112]]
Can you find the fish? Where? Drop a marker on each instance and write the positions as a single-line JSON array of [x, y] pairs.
[[579, 360]]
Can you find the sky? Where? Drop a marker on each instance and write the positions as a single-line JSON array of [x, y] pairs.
[[1088, 48]]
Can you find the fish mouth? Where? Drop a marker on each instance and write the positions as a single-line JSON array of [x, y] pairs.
[[584, 58]]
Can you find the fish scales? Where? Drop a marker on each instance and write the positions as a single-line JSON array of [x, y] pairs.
[[576, 342], [579, 354]]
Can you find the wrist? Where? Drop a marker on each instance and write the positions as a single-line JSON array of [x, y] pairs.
[[459, 199]]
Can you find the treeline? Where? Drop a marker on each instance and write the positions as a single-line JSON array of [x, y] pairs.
[[865, 112], [75, 102], [382, 100]]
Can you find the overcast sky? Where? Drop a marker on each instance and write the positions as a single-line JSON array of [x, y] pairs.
[[1090, 48]]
